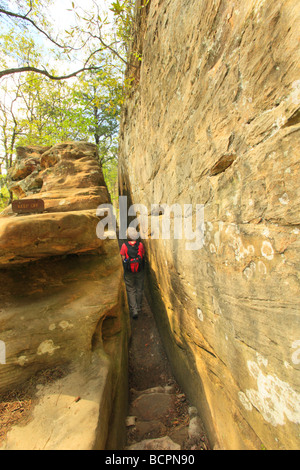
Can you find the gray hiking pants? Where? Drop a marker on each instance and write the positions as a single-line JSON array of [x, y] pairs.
[[135, 288]]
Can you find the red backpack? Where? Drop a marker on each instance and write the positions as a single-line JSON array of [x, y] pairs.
[[134, 263]]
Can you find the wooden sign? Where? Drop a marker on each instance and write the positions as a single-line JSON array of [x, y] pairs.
[[28, 206]]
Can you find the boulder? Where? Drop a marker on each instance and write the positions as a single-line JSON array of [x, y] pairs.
[[69, 179], [53, 311], [63, 303], [26, 238], [66, 176]]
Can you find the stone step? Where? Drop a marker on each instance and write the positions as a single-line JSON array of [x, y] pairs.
[[163, 443]]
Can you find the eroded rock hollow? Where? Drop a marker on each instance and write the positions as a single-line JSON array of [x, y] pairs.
[[213, 119]]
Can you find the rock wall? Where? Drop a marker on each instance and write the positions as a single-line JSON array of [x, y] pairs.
[[213, 119], [62, 302]]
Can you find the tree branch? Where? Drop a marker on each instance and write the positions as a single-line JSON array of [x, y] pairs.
[[29, 20], [12, 71], [107, 46], [62, 46]]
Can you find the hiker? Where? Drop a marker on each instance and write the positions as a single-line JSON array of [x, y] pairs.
[[133, 256]]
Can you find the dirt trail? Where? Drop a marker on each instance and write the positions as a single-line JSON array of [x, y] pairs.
[[160, 416]]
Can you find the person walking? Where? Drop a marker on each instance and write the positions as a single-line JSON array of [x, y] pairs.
[[133, 256]]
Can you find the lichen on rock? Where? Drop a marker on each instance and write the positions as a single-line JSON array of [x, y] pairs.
[[213, 119]]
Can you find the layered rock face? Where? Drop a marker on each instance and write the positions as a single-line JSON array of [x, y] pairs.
[[213, 120], [68, 178], [63, 301]]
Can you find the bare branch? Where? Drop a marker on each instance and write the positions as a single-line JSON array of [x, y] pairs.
[[110, 48], [29, 20], [113, 51], [66, 48], [12, 71]]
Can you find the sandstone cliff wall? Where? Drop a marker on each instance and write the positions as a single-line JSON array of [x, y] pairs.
[[62, 303], [213, 119]]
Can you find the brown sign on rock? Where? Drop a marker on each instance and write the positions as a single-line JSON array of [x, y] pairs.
[[28, 206]]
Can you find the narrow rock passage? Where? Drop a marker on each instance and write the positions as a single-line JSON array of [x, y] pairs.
[[160, 417]]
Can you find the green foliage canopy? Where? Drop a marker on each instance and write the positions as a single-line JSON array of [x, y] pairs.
[[36, 110]]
